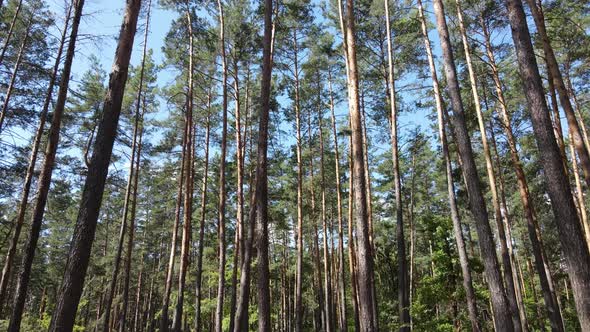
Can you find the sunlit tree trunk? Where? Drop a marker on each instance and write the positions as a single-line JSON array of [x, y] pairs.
[[364, 253], [203, 214], [299, 236], [222, 194], [328, 303], [499, 215], [501, 307], [164, 321], [571, 236], [187, 209], [558, 81], [44, 181], [79, 255], [342, 323], [455, 216], [264, 320], [402, 273], [528, 208]]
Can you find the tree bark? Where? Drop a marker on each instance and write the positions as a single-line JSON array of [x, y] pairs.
[[170, 268], [570, 232], [299, 237], [342, 322], [402, 273], [499, 215], [187, 210], [328, 303], [222, 194], [238, 249], [203, 214], [44, 181], [503, 317], [566, 105], [455, 216], [364, 255], [264, 321], [79, 255], [528, 208]]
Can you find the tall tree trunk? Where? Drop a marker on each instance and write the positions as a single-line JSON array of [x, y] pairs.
[[455, 216], [22, 207], [10, 30], [44, 181], [140, 128], [328, 303], [364, 255], [17, 64], [320, 313], [299, 236], [351, 240], [342, 322], [570, 232], [238, 249], [129, 204], [528, 208], [501, 308], [499, 216], [402, 273], [164, 321], [566, 105], [187, 209], [79, 255], [264, 321], [579, 198], [222, 195], [203, 214]]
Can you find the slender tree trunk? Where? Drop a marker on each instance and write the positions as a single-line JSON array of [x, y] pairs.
[[455, 216], [342, 323], [17, 64], [402, 273], [299, 236], [528, 208], [44, 181], [240, 199], [574, 247], [22, 208], [79, 255], [222, 194], [412, 233], [320, 316], [170, 269], [328, 303], [264, 321], [579, 198], [10, 30], [478, 208], [188, 187], [129, 203], [500, 218], [203, 214], [364, 255], [351, 240], [140, 113], [566, 105]]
